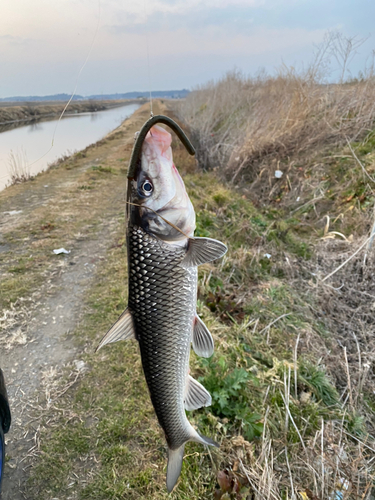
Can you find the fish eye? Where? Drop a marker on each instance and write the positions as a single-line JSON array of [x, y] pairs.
[[146, 188]]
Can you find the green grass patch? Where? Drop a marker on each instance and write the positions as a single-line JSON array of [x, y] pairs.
[[101, 169]]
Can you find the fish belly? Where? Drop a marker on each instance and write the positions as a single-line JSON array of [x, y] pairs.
[[162, 299]]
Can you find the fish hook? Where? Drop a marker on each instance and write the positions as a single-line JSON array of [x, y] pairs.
[[142, 135]]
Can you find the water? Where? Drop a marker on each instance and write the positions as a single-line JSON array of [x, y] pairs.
[[30, 144]]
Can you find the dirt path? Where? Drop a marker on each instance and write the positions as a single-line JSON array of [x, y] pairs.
[[47, 348], [79, 206]]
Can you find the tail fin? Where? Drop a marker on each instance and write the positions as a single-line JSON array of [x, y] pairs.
[[175, 458]]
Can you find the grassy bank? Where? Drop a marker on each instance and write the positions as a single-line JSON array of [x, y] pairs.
[[304, 152], [292, 377]]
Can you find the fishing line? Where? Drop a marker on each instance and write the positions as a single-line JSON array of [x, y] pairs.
[[74, 91], [148, 61]]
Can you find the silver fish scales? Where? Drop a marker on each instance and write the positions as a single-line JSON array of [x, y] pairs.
[[161, 298], [163, 256]]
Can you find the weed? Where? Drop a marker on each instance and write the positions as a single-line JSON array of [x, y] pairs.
[[315, 379], [100, 168], [230, 391]]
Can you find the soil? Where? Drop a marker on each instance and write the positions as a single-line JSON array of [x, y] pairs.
[[40, 322]]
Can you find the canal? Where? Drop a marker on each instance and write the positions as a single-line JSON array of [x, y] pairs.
[[34, 146]]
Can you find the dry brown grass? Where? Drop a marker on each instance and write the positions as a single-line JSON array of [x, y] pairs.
[[18, 167], [321, 137], [347, 301], [239, 121], [329, 463]]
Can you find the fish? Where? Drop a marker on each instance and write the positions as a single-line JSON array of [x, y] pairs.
[[163, 255]]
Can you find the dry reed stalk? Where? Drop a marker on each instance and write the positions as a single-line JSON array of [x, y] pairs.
[[18, 167], [238, 121]]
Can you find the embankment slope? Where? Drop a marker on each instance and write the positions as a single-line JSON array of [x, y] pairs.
[[14, 112]]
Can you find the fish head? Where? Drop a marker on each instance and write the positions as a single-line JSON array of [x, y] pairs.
[[161, 204]]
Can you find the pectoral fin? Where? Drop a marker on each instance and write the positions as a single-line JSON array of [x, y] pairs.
[[202, 250], [203, 343], [196, 395], [123, 329]]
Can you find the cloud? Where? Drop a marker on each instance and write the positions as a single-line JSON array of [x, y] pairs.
[[157, 15], [189, 41], [16, 40], [232, 18], [236, 15], [213, 40]]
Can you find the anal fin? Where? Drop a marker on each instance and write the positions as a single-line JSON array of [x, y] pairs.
[[203, 343], [123, 329], [196, 395], [203, 250]]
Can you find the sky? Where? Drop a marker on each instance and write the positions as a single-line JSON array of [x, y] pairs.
[[109, 46]]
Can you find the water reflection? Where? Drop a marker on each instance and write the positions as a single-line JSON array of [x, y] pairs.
[[73, 133], [4, 127], [35, 127]]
